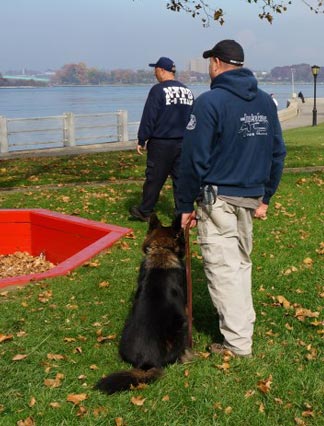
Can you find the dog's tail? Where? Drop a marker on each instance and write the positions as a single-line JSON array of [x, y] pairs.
[[126, 379]]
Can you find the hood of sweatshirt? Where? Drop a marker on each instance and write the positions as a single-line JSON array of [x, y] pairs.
[[239, 81]]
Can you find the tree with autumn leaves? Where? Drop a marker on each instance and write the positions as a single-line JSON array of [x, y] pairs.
[[267, 9]]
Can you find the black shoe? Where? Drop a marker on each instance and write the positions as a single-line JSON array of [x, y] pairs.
[[137, 214]]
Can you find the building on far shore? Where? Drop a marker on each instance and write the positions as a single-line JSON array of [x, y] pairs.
[[198, 65]]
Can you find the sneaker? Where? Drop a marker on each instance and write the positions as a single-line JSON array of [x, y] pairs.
[[137, 214], [218, 348]]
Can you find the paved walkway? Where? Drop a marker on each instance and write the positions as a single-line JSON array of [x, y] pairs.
[[305, 116]]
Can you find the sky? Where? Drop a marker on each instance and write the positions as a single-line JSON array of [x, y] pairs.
[[129, 34]]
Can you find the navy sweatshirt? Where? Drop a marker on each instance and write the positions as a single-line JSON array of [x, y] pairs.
[[233, 140], [166, 112]]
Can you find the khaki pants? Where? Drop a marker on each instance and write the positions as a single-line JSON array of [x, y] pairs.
[[225, 237]]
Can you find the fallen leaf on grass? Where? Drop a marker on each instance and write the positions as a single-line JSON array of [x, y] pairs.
[[204, 355], [264, 385], [19, 357], [249, 393], [261, 408], [5, 337], [119, 421], [93, 367], [302, 313], [299, 422], [225, 366], [54, 383], [82, 411], [76, 398], [102, 339], [290, 270], [284, 302], [138, 400], [308, 413], [55, 405], [308, 262], [32, 402], [228, 410], [27, 422], [55, 357]]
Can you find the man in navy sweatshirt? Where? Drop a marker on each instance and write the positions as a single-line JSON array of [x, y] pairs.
[[232, 161], [165, 116]]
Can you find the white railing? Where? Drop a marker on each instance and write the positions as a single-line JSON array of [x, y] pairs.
[[67, 130]]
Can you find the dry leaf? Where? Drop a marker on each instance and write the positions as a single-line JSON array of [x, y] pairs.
[[283, 301], [308, 262], [308, 413], [225, 366], [93, 367], [5, 337], [139, 400], [55, 405], [261, 408], [32, 402], [52, 383], [82, 411], [166, 398], [228, 410], [102, 339], [301, 313], [76, 398], [249, 393], [19, 357], [27, 422], [55, 357], [204, 355], [299, 422], [264, 385], [104, 284], [119, 421]]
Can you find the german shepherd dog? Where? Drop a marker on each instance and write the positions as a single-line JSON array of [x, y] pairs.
[[155, 333]]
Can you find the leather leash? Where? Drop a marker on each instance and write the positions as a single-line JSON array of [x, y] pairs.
[[189, 282]]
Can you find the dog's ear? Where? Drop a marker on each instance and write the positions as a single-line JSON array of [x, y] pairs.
[[154, 222], [176, 223]]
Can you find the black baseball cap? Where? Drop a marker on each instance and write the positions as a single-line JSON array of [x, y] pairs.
[[228, 51], [165, 63]]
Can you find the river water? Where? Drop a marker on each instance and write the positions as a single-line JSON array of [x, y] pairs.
[[54, 101], [48, 101]]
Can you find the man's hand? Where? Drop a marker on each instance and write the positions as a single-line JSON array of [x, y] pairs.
[[140, 149], [261, 211], [188, 218]]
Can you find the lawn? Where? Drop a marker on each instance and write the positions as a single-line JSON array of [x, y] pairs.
[[59, 336]]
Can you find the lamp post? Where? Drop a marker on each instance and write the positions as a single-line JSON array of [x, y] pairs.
[[315, 70]]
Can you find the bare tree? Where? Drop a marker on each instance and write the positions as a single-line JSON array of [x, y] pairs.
[[268, 9]]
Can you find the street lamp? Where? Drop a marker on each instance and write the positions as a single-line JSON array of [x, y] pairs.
[[315, 70]]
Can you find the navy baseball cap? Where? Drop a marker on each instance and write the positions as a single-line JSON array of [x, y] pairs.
[[228, 51], [165, 63]]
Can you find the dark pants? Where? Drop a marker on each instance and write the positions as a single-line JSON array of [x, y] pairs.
[[163, 158]]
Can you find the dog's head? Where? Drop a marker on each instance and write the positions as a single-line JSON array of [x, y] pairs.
[[167, 237]]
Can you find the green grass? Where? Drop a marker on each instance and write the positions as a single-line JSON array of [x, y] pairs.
[[288, 348], [305, 147]]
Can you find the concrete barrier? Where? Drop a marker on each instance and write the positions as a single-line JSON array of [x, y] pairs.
[[290, 112]]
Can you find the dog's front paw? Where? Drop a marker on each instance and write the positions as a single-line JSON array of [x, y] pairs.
[[188, 356]]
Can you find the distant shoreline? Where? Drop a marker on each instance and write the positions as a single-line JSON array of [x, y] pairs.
[[260, 83]]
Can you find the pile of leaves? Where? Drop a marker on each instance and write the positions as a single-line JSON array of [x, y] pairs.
[[22, 263]]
